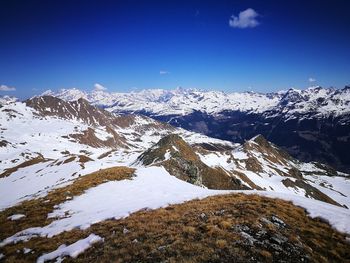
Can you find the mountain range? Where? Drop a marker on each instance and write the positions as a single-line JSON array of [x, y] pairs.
[[310, 124], [75, 165]]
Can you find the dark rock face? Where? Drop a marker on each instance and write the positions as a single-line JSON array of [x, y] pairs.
[[306, 138]]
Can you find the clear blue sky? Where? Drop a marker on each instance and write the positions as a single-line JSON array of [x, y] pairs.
[[124, 45]]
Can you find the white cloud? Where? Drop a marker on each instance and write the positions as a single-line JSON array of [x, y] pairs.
[[99, 87], [6, 88], [245, 19], [312, 80], [164, 72]]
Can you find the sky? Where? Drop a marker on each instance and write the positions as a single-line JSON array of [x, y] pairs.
[[262, 46]]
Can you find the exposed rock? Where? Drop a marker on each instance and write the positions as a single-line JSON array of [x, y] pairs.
[[278, 221], [279, 239], [4, 143], [203, 216], [251, 240]]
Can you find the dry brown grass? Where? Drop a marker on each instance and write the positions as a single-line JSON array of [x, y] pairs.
[[69, 160], [104, 155], [180, 234], [203, 231], [84, 158]]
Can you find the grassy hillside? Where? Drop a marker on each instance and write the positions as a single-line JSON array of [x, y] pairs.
[[228, 228]]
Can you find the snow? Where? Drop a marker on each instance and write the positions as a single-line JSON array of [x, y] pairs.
[[7, 99], [72, 250], [269, 182], [167, 155], [309, 167], [26, 250], [102, 134], [69, 94], [240, 155], [175, 149], [196, 138], [16, 217], [216, 159], [171, 101]]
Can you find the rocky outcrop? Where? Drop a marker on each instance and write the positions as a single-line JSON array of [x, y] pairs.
[[180, 160]]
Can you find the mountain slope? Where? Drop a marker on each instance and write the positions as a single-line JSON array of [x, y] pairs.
[[263, 165]]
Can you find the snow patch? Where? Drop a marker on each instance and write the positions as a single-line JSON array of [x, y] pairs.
[[102, 134], [240, 155], [167, 155], [72, 250], [16, 217], [26, 250]]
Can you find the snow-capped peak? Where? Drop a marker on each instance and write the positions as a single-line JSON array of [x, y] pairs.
[[66, 94]]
